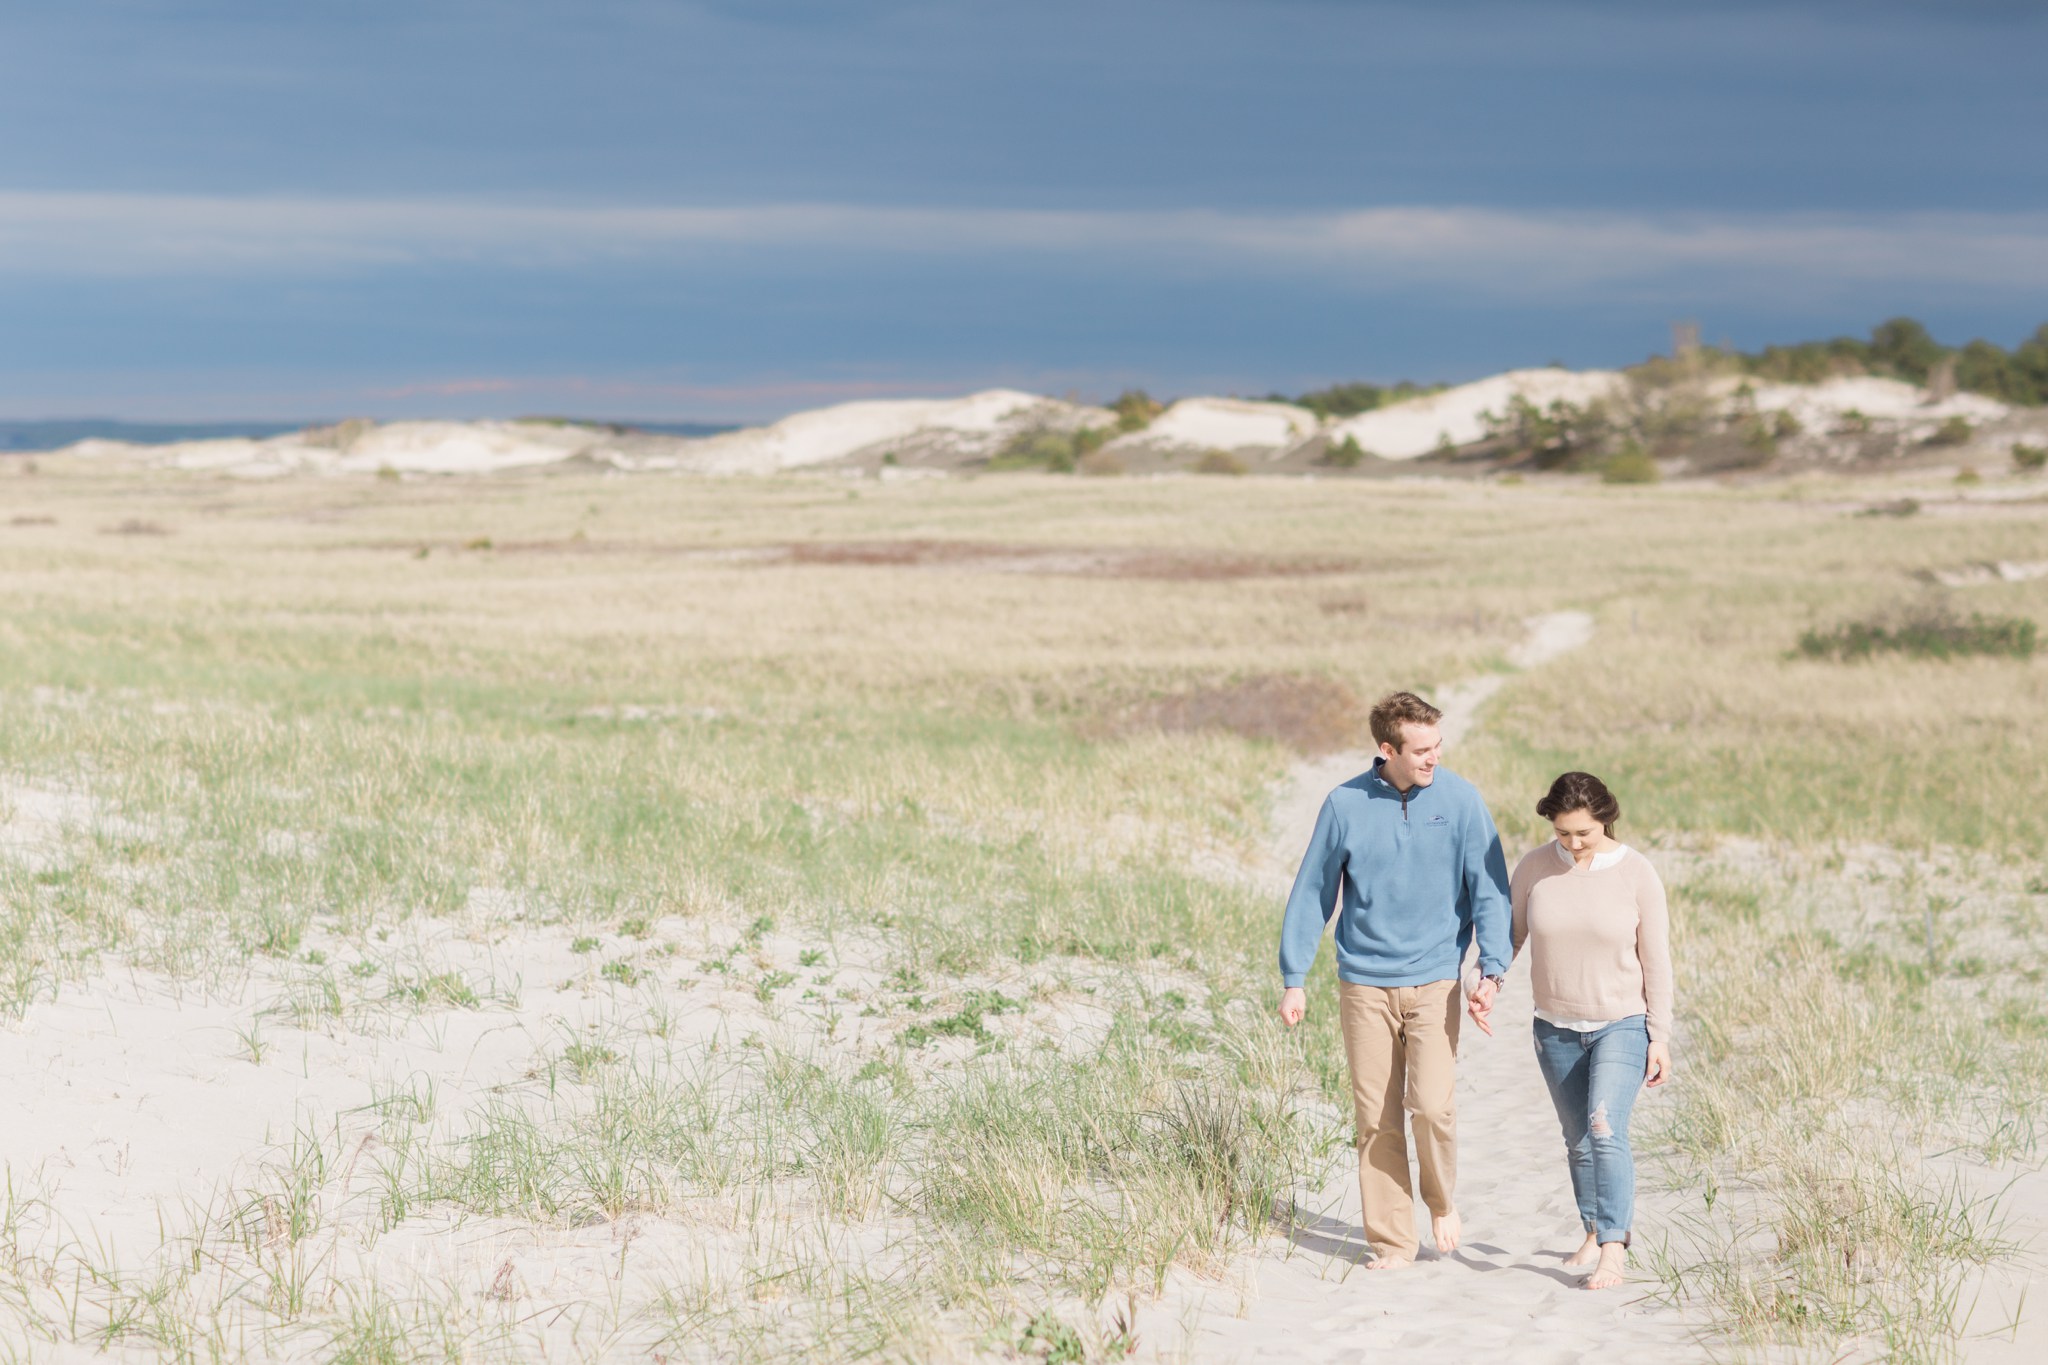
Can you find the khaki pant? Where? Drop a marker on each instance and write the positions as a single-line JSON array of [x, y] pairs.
[[1402, 1043]]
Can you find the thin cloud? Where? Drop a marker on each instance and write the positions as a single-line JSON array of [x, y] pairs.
[[1522, 253], [751, 396]]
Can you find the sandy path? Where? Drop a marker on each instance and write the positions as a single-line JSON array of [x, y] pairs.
[[1506, 1294]]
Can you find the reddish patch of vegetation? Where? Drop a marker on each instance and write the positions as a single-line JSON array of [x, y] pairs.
[[1308, 715]]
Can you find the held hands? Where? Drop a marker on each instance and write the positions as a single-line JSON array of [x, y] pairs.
[[1658, 1069], [1479, 1004], [1293, 1004]]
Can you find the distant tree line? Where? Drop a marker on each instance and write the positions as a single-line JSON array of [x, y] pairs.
[[1903, 349]]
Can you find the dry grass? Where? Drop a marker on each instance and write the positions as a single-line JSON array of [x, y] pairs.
[[1864, 1060], [1006, 731]]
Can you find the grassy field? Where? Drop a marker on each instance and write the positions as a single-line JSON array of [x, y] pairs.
[[887, 838]]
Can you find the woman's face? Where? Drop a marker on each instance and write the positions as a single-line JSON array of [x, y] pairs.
[[1578, 831]]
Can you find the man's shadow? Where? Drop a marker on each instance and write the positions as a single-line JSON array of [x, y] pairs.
[[1330, 1237]]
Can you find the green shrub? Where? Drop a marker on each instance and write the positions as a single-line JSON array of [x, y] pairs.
[[1630, 464], [1761, 437], [1556, 435], [1348, 400], [1903, 349], [1852, 423], [1220, 462], [1956, 431], [1346, 454], [1785, 426], [1929, 633], [1053, 451], [1968, 476], [2029, 457], [1135, 409]]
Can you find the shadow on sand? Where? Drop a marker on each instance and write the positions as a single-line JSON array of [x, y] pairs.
[[1342, 1241]]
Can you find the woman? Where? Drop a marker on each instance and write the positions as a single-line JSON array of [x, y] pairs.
[[1592, 912]]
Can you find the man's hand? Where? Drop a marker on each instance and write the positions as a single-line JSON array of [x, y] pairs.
[[1293, 1005], [1658, 1069], [1480, 1004]]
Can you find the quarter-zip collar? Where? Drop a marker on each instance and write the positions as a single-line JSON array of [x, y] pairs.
[[1381, 778]]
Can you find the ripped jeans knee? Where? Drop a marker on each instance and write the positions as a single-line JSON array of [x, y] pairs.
[[1594, 1077]]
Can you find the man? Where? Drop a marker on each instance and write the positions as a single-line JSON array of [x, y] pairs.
[[1419, 864]]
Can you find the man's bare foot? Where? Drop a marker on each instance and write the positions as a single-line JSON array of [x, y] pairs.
[[1611, 1270], [1446, 1229], [1386, 1261], [1586, 1254]]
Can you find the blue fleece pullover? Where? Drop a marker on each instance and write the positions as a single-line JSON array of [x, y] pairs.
[[1419, 875]]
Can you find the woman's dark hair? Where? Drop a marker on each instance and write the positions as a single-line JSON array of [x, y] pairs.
[[1580, 791]]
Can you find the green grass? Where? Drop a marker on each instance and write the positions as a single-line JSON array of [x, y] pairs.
[[1925, 636], [299, 747]]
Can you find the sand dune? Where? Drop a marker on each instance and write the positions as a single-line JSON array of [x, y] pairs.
[[406, 447], [934, 435], [1455, 417], [977, 424], [1822, 406], [1227, 424]]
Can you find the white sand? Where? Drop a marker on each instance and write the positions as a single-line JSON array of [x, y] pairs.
[[1821, 407], [1991, 571], [463, 447], [404, 447], [976, 425], [2001, 1328], [1402, 431], [1232, 424]]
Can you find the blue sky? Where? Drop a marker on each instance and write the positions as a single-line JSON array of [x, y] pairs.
[[736, 208]]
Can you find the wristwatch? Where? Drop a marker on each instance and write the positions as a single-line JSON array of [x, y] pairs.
[[1498, 981]]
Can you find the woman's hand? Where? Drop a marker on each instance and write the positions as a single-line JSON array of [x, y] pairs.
[[1658, 1069], [1293, 1004]]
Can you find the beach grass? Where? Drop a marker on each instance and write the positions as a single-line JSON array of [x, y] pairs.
[[964, 835]]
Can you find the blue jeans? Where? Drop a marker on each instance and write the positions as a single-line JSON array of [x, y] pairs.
[[1593, 1079]]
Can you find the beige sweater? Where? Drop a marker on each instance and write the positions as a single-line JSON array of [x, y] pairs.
[[1599, 941]]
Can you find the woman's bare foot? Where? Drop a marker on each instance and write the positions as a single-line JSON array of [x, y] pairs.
[[1446, 1229], [1612, 1268], [1586, 1254], [1386, 1262]]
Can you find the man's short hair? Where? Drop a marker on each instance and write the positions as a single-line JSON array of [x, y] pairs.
[[1397, 709]]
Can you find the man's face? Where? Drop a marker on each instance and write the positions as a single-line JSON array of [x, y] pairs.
[[1414, 765]]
